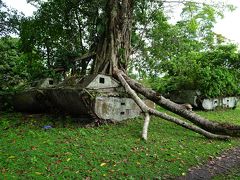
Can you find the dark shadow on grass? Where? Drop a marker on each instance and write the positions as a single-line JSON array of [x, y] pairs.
[[14, 120]]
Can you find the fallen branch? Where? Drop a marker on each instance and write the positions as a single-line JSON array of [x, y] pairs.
[[138, 100], [145, 126], [147, 110], [213, 127]]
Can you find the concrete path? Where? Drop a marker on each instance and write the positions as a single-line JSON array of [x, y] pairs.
[[227, 161]]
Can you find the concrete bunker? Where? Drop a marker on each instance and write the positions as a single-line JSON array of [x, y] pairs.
[[195, 98], [99, 96]]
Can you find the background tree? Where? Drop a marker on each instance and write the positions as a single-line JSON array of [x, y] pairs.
[[10, 73], [176, 54], [9, 20], [62, 31]]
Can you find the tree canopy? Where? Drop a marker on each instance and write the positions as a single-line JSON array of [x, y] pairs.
[[64, 37], [9, 19]]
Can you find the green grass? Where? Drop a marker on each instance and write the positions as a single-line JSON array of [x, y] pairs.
[[110, 151], [226, 116]]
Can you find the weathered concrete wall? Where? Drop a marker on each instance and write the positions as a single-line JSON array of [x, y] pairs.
[[67, 100], [185, 96], [102, 81], [46, 100], [116, 108], [47, 83], [225, 102], [99, 93], [194, 98], [72, 101], [29, 101], [43, 83]]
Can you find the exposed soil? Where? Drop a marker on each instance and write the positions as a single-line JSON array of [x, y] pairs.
[[222, 164]]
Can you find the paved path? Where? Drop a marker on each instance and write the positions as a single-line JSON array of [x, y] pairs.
[[227, 161]]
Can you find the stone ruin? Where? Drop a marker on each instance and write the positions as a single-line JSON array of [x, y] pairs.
[[97, 96]]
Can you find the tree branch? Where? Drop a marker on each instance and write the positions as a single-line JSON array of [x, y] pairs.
[[147, 110], [145, 126], [214, 127]]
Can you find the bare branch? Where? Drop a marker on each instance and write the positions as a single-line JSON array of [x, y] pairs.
[[214, 127], [145, 126], [147, 110]]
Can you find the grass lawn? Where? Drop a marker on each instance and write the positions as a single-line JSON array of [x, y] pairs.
[[110, 151]]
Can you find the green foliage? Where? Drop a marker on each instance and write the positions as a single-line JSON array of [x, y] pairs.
[[111, 151], [219, 73], [187, 55], [16, 68], [10, 20], [62, 31], [10, 73], [217, 82], [214, 73], [161, 44]]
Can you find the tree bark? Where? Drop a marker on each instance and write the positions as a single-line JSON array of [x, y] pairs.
[[113, 50], [145, 126]]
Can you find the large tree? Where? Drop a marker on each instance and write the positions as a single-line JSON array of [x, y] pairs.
[[10, 73], [112, 56], [108, 37]]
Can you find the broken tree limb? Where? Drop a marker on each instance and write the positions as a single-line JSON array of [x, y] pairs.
[[138, 101], [213, 127], [145, 126], [189, 126], [147, 109]]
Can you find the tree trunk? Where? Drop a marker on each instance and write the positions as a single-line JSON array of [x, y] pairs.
[[114, 47]]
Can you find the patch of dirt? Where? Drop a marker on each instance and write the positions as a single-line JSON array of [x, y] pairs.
[[223, 164]]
